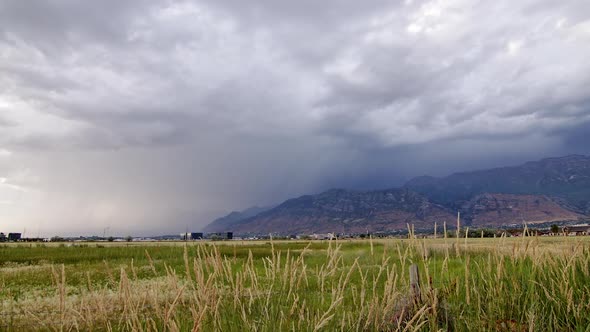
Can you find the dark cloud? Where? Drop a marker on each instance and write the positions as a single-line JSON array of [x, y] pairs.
[[5, 122], [148, 113], [55, 25], [576, 137]]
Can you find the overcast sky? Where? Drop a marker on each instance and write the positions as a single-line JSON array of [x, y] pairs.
[[148, 117]]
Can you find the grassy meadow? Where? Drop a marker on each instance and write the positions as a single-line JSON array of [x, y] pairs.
[[500, 284]]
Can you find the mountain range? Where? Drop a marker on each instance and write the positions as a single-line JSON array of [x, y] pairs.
[[549, 190]]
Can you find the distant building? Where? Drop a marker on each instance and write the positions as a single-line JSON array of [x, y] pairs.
[[14, 237], [2, 237], [327, 236], [577, 230], [221, 236], [191, 236]]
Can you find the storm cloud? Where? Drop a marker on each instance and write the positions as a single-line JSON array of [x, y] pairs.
[[150, 117]]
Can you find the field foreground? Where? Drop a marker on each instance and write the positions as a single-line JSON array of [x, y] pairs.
[[506, 284]]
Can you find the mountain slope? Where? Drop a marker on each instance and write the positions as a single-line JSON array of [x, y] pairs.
[[494, 210], [567, 178], [553, 189], [345, 211]]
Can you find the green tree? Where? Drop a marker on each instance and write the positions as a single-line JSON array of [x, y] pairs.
[[554, 229]]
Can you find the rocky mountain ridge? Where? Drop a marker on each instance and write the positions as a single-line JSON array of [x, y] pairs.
[[566, 179], [552, 189], [344, 211]]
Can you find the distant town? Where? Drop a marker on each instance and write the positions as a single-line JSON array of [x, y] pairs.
[[508, 231]]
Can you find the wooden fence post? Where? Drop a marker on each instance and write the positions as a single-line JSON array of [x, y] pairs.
[[415, 283]]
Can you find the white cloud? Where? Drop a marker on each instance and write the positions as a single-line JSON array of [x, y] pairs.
[[514, 46]]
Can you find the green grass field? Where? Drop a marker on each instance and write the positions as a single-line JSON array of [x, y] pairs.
[[509, 284]]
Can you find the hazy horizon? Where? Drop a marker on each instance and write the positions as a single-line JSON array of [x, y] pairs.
[[148, 117]]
